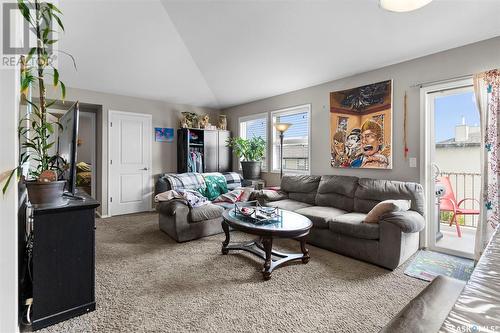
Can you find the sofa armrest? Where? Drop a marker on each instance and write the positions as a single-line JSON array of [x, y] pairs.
[[270, 195], [408, 221], [173, 207]]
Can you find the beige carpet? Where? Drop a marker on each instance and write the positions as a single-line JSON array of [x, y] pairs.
[[148, 282]]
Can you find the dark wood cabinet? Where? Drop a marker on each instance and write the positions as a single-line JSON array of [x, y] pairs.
[[63, 261], [211, 144]]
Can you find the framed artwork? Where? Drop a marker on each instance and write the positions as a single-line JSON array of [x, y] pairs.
[[361, 127], [164, 134]]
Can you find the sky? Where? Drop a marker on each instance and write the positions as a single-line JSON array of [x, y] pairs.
[[449, 111]]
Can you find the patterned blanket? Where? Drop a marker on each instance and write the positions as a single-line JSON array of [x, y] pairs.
[[187, 181]]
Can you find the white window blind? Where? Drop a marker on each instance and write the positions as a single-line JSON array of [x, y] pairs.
[[296, 157]]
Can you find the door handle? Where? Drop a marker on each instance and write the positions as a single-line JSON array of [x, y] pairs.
[[145, 169]]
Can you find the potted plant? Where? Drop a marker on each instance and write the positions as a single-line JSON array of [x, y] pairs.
[[35, 130], [251, 151]]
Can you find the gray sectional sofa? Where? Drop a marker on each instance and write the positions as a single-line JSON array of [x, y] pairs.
[[336, 205]]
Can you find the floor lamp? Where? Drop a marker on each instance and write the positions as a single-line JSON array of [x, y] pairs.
[[281, 127]]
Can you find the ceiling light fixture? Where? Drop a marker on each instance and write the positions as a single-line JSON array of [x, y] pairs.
[[402, 5]]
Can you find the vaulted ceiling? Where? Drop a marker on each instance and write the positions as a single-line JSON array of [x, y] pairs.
[[223, 53]]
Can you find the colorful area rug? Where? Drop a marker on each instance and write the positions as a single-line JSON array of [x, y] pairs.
[[428, 264]]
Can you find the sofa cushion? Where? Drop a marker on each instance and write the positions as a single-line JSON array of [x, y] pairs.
[[206, 212], [301, 188], [288, 204], [371, 191], [320, 216], [337, 191], [352, 225]]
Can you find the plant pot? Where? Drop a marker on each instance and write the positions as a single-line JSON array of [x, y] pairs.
[[45, 193], [251, 169]]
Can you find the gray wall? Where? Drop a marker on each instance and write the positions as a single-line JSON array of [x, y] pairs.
[[164, 115], [453, 63]]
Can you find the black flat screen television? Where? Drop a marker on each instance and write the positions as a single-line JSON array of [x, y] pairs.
[[67, 143]]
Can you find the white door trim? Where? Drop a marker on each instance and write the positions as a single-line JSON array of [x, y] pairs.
[[426, 172], [93, 159], [150, 161]]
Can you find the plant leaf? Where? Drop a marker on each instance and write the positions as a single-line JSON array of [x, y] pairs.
[[48, 146], [50, 104], [30, 54], [7, 182], [56, 77], [72, 58], [50, 128], [25, 11], [58, 20], [53, 7], [63, 90]]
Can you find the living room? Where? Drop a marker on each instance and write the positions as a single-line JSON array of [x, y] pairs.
[[356, 142]]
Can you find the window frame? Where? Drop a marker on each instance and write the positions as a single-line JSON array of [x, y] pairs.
[[274, 136], [261, 115]]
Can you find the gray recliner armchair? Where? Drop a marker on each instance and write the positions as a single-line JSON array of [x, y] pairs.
[[183, 223]]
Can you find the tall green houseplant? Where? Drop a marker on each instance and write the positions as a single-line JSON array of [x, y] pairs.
[[251, 152], [36, 69]]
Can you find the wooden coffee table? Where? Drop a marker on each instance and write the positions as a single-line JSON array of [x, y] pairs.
[[288, 225]]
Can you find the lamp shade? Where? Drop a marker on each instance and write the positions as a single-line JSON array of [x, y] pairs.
[[403, 5], [282, 127]]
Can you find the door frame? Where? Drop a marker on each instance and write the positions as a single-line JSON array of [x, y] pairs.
[[426, 163], [150, 161], [93, 144]]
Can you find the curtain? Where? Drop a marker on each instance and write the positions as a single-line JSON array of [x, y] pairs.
[[487, 92]]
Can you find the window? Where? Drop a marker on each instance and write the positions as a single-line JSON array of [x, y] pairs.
[[255, 126], [296, 148]]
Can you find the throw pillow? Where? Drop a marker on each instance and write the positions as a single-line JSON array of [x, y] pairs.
[[231, 196], [215, 186], [387, 206], [246, 194]]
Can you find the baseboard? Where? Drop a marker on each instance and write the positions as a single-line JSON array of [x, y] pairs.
[[61, 316], [101, 216]]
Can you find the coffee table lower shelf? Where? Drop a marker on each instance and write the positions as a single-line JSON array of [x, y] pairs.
[[263, 248]]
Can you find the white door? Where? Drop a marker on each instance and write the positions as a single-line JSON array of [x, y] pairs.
[[130, 178], [440, 236]]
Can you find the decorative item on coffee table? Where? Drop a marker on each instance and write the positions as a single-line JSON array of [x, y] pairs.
[[253, 212], [285, 224]]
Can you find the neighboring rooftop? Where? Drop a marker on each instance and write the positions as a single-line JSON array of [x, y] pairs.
[[465, 136]]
